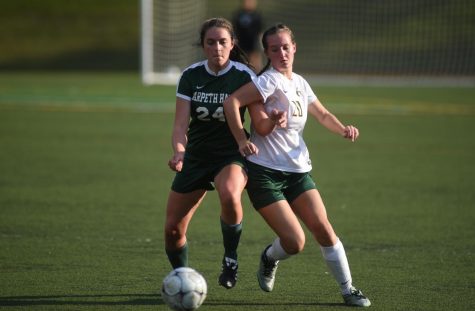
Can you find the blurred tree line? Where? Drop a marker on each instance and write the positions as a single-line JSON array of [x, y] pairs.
[[66, 34]]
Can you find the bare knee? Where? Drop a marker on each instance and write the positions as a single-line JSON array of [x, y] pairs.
[[231, 208], [324, 234], [230, 198], [175, 237], [293, 244]]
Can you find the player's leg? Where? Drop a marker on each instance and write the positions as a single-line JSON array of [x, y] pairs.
[[265, 190], [283, 221], [291, 240], [230, 183], [310, 208], [180, 210]]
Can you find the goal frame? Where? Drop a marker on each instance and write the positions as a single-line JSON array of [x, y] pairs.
[[149, 76]]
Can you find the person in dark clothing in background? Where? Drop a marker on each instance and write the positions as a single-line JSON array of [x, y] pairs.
[[248, 25]]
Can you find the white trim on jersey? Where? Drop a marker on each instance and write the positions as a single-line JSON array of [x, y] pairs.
[[239, 66], [284, 148]]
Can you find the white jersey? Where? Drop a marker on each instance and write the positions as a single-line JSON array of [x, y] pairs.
[[284, 148]]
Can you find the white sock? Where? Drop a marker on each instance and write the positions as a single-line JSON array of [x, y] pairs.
[[337, 262], [276, 252]]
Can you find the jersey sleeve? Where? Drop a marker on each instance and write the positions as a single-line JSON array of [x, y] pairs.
[[265, 84], [311, 97], [184, 88]]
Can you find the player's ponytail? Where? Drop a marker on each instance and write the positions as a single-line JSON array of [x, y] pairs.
[[266, 67], [238, 55]]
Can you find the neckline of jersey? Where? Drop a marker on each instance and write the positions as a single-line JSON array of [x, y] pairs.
[[221, 72]]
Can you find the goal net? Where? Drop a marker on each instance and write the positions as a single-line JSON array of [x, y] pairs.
[[383, 38], [169, 38]]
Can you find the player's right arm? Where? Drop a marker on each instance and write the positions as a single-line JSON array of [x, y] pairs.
[[179, 138], [249, 95], [244, 96]]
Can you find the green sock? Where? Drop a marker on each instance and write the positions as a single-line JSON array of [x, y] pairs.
[[178, 258], [231, 237]]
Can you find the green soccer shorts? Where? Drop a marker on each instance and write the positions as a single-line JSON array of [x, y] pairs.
[[199, 173], [266, 186]]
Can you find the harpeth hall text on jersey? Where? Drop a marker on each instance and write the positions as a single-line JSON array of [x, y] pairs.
[[212, 98]]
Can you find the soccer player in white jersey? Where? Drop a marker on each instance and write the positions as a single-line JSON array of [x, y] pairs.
[[279, 183]]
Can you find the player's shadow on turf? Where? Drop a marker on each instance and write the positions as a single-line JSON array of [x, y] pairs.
[[83, 300], [263, 304], [130, 300]]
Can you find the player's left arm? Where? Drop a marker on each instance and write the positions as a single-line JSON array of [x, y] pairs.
[[331, 122]]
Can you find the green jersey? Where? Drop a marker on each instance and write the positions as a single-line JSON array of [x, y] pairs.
[[208, 132]]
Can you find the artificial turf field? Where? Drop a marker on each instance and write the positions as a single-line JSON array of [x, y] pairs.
[[84, 182]]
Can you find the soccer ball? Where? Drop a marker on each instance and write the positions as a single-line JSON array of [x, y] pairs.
[[184, 289]]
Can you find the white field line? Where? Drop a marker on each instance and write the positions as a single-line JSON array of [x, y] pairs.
[[401, 109], [109, 104]]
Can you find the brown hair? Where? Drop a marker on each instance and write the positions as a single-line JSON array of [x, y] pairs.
[[272, 31], [236, 53]]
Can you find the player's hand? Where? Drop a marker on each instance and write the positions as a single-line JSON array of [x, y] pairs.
[[246, 148], [176, 162], [351, 133], [279, 118]]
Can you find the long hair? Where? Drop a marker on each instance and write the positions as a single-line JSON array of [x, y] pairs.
[[272, 31], [237, 54]]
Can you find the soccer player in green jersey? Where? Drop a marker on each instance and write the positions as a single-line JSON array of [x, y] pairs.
[[280, 186], [205, 154]]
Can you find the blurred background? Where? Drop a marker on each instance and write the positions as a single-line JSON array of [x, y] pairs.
[[84, 147], [69, 35], [406, 38]]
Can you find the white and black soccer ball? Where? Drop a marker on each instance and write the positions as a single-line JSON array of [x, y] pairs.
[[184, 289]]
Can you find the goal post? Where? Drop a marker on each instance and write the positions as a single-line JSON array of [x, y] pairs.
[[169, 34], [146, 18]]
